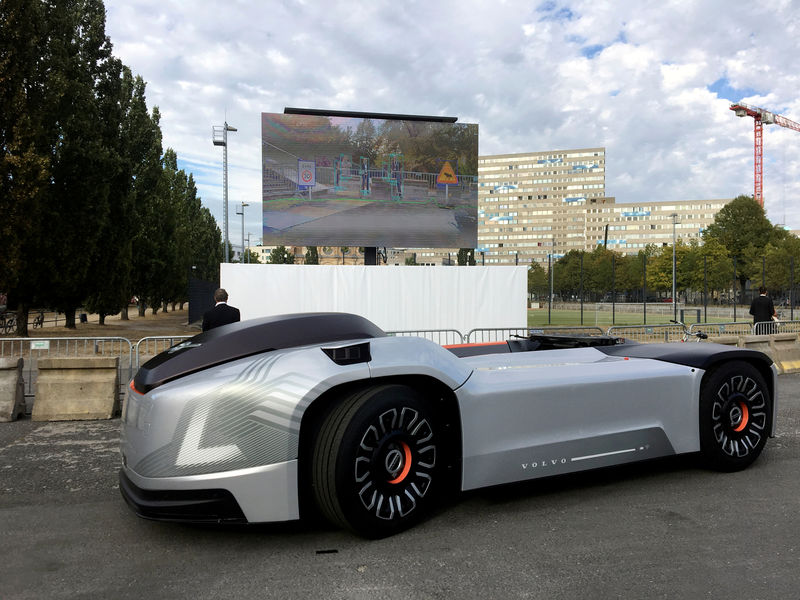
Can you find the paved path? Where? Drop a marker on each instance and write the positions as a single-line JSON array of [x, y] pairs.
[[661, 530]]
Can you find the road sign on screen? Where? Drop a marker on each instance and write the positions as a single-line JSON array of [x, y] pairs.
[[306, 173]]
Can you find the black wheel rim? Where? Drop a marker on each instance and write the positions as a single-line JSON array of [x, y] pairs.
[[739, 416], [395, 463]]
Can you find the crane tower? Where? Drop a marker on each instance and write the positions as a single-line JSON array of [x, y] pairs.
[[761, 117]]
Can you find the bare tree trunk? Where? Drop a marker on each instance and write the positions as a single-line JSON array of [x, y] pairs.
[[22, 319], [69, 315], [123, 314], [165, 306], [102, 318], [142, 307]]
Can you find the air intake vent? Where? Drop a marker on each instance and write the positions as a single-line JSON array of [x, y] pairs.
[[349, 355]]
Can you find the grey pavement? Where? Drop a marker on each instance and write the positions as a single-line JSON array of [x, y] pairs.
[[665, 529]]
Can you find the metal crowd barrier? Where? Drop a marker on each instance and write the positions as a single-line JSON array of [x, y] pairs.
[[768, 327], [152, 345], [440, 336], [32, 349], [576, 329], [716, 329], [648, 333], [482, 335]]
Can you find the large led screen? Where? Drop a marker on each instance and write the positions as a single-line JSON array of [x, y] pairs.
[[351, 181]]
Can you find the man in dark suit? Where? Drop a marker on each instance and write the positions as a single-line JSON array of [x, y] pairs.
[[763, 310], [221, 314]]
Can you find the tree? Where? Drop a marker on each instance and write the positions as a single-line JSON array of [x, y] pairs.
[[81, 165], [27, 134], [109, 286], [251, 257], [281, 255], [312, 256], [567, 274], [147, 175], [24, 132], [466, 256], [742, 227], [538, 282], [206, 244], [597, 267], [781, 260], [365, 141]]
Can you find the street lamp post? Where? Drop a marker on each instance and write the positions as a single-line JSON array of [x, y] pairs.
[[220, 138], [674, 305], [241, 258], [247, 256]]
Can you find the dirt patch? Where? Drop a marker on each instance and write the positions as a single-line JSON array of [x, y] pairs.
[[135, 328]]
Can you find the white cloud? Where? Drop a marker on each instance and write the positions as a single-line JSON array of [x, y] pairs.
[[628, 75]]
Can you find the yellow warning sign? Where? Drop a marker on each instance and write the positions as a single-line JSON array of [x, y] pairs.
[[447, 175]]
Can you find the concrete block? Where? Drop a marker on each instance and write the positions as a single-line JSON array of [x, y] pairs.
[[12, 389], [787, 351], [728, 340], [761, 343], [73, 389]]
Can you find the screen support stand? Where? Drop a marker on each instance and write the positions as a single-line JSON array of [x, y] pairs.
[[370, 255]]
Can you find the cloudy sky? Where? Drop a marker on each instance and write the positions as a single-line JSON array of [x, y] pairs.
[[651, 81]]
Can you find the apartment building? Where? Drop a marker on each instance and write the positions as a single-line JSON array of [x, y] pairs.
[[540, 204]]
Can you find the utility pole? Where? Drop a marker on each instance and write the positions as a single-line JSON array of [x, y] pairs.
[[674, 305]]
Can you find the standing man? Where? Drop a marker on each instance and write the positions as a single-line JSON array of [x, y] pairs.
[[221, 314], [763, 310]]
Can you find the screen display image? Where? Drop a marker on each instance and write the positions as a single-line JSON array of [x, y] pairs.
[[357, 181]]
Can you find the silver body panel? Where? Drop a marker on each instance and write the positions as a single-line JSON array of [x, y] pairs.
[[236, 426], [533, 414]]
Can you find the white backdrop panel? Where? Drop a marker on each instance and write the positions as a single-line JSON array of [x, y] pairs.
[[394, 298]]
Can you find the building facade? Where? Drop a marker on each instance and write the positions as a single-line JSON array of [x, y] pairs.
[[532, 206]]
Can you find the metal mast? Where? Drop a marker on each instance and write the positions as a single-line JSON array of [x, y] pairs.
[[220, 137], [760, 117]]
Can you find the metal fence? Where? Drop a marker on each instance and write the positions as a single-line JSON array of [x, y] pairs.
[[648, 333], [717, 329], [768, 327], [482, 335], [442, 337], [32, 349], [150, 346]]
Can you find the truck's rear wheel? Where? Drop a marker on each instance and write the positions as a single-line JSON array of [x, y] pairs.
[[735, 408]]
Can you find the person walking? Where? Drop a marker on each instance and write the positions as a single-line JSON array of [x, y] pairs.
[[222, 313], [763, 310]]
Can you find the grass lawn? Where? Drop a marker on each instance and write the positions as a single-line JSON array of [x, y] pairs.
[[538, 317]]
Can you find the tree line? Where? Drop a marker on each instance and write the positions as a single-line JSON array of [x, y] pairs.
[[93, 211], [740, 246]]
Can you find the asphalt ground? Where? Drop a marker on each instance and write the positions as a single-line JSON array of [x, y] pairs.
[[664, 529]]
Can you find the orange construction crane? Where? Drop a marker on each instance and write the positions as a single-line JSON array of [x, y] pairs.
[[761, 117]]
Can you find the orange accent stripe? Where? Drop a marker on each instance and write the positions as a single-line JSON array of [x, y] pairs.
[[133, 387], [406, 467], [745, 417], [474, 345]]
